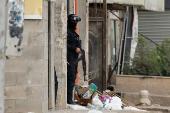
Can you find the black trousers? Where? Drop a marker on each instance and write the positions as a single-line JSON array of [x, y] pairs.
[[71, 77]]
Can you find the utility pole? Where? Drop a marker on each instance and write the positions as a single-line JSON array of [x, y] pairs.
[[2, 42], [104, 46]]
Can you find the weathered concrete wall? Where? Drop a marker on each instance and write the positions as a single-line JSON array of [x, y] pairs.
[[72, 7], [26, 77], [156, 5], [152, 5], [125, 2], [134, 84], [130, 86], [60, 51], [155, 99], [83, 33], [2, 41]]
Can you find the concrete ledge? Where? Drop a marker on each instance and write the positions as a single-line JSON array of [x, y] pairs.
[[156, 108], [156, 85], [155, 99]]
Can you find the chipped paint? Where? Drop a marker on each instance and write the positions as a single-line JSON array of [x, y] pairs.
[[14, 27]]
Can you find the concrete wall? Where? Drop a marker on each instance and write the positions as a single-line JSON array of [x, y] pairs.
[[2, 40], [26, 77], [60, 51], [84, 37], [130, 86], [134, 84], [126, 2]]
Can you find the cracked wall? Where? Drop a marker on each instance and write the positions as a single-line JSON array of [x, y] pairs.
[[83, 33], [60, 51]]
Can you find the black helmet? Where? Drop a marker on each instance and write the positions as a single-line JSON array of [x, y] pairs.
[[73, 17]]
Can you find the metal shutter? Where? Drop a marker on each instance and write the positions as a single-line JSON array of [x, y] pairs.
[[155, 25]]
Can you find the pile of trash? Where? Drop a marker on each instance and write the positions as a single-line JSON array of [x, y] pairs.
[[108, 100]]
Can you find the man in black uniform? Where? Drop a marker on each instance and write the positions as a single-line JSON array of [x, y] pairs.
[[72, 54]]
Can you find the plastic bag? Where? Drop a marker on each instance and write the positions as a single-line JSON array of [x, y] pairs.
[[104, 97], [116, 100], [94, 111], [97, 102], [76, 107]]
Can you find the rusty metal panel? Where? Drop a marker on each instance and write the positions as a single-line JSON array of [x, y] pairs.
[[14, 27], [95, 53]]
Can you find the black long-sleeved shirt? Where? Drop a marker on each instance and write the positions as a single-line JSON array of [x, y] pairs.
[[72, 44]]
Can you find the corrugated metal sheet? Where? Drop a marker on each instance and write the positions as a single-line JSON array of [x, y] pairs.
[[155, 25]]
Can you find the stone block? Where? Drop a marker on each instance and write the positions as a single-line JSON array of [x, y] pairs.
[[45, 39], [45, 73], [33, 26], [25, 106], [45, 79], [26, 35], [45, 106], [10, 79], [45, 26], [33, 39], [45, 3], [61, 101], [9, 106], [45, 12], [60, 6], [16, 65], [33, 52], [45, 52], [15, 92], [30, 79], [34, 92], [45, 92], [36, 65]]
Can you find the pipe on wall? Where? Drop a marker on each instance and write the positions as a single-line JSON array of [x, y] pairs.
[[76, 12]]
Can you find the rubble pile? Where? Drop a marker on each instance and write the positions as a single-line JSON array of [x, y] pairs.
[[90, 98]]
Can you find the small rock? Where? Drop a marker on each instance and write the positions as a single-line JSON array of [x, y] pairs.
[[144, 98]]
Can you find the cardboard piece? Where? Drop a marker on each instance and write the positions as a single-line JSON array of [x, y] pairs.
[[82, 90], [90, 91]]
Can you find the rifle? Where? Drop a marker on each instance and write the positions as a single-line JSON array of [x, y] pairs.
[[82, 57]]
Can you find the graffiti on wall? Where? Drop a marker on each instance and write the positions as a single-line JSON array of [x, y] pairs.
[[15, 22], [15, 28]]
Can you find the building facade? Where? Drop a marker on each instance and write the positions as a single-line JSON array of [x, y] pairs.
[[40, 44]]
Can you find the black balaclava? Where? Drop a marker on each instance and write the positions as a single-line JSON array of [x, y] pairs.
[[72, 25]]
